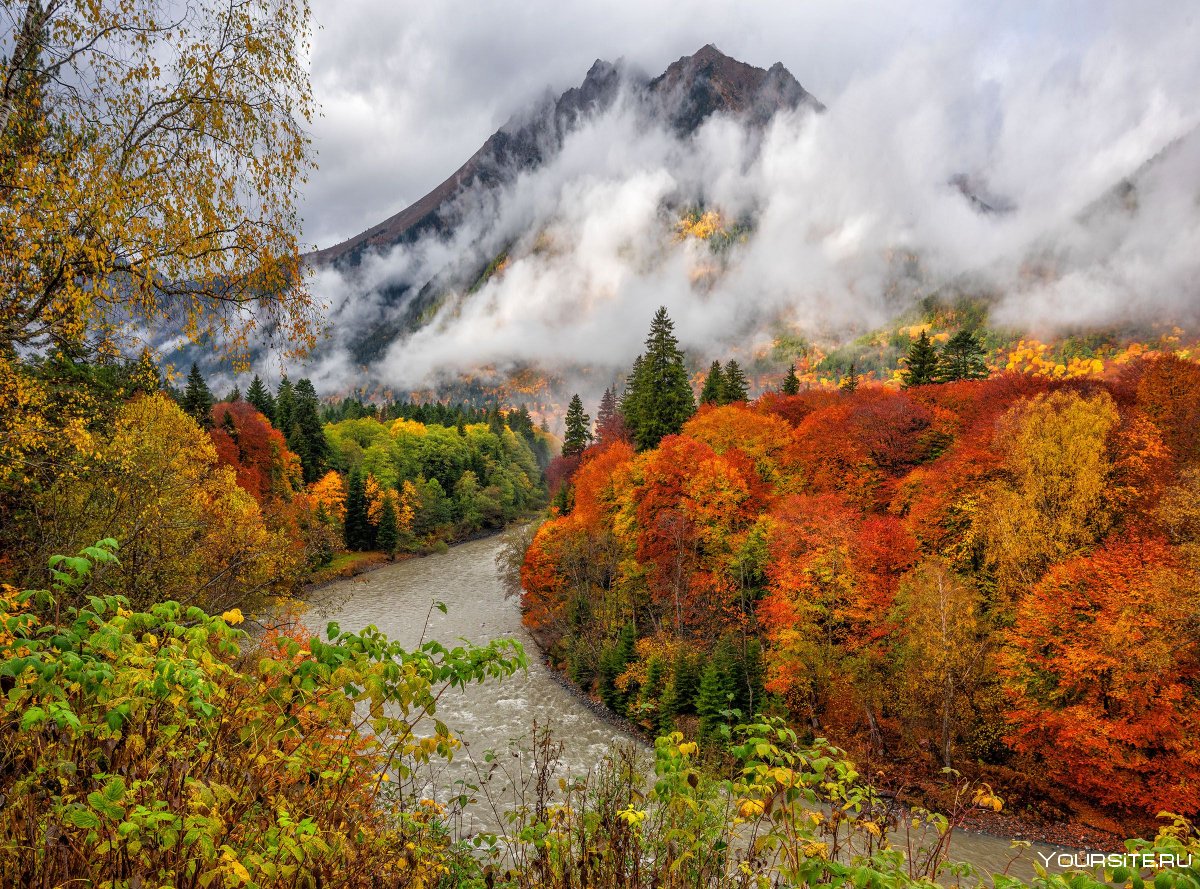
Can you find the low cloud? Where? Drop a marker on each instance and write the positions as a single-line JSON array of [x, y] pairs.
[[843, 206]]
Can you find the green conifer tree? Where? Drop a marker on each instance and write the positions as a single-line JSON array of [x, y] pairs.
[[921, 362], [357, 527], [260, 397], [962, 359], [714, 385], [662, 398], [578, 428], [307, 433], [285, 406], [735, 387], [849, 382], [197, 399], [388, 535], [791, 383], [715, 694]]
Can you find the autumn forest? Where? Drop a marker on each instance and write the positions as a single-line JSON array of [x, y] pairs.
[[834, 598]]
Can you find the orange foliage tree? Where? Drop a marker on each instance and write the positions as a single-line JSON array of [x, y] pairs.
[[1102, 664]]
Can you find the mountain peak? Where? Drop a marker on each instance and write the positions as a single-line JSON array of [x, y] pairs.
[[696, 86], [685, 95]]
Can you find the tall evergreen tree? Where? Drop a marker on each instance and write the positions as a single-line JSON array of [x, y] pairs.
[[235, 394], [962, 359], [610, 425], [495, 421], [735, 386], [662, 398], [520, 422], [791, 383], [357, 527], [631, 395], [849, 382], [607, 411], [260, 396], [921, 362], [307, 433], [197, 399], [388, 535], [714, 385], [579, 432], [285, 406]]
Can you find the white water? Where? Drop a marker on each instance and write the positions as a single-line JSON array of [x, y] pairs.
[[398, 599]]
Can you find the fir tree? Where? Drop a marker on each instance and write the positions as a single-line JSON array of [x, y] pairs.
[[608, 408], [578, 434], [357, 527], [235, 394], [388, 535], [921, 362], [791, 383], [735, 387], [714, 385], [631, 395], [285, 406], [716, 693], [520, 422], [197, 399], [307, 434], [259, 396], [495, 422], [687, 682], [849, 382], [962, 359], [659, 399]]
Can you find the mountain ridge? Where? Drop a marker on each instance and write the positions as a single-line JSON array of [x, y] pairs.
[[685, 95]]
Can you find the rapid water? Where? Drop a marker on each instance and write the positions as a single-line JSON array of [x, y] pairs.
[[499, 716]]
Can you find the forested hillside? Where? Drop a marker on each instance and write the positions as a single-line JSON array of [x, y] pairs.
[[997, 575]]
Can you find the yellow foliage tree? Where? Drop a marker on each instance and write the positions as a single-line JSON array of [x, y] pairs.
[[940, 650], [1052, 500], [187, 531], [329, 493], [149, 156]]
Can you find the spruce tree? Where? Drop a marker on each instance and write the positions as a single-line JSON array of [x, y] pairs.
[[608, 408], [632, 394], [849, 382], [921, 362], [235, 395], [735, 386], [285, 406], [662, 398], [357, 527], [579, 433], [388, 535], [260, 397], [307, 433], [962, 359], [791, 383], [715, 694], [495, 421], [197, 399], [687, 682], [714, 385]]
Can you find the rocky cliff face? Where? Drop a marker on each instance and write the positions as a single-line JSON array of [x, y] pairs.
[[690, 91]]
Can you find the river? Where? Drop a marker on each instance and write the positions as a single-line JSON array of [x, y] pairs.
[[398, 599]]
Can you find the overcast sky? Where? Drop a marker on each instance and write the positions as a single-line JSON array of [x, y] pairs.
[[410, 90]]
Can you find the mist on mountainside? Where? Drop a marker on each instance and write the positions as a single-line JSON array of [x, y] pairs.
[[1065, 192]]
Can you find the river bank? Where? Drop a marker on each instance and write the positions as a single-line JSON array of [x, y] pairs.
[[397, 598]]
